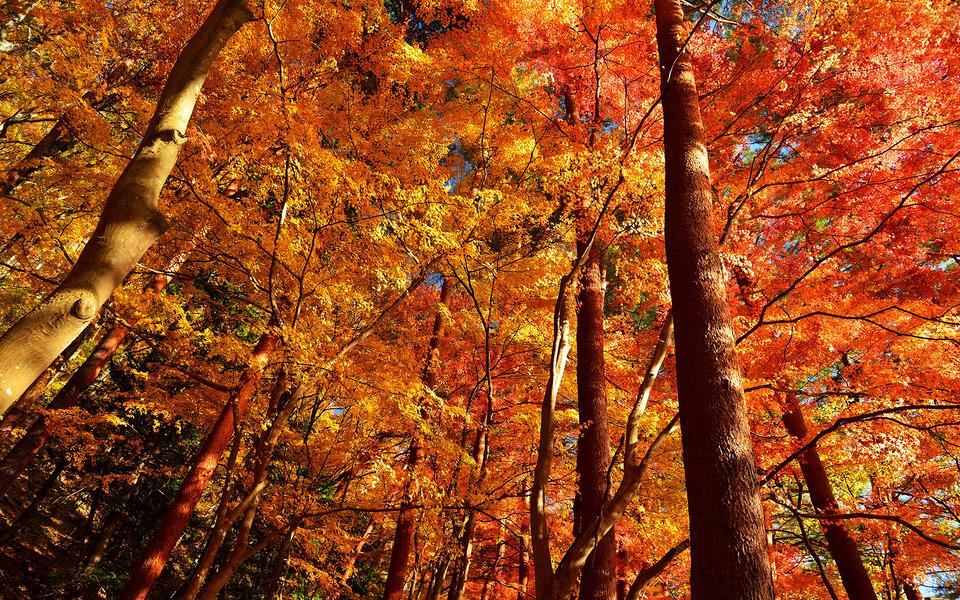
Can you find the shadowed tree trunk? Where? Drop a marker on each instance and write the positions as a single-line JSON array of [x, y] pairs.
[[279, 566], [11, 532], [598, 580], [406, 518], [151, 564], [131, 220], [729, 559], [842, 547]]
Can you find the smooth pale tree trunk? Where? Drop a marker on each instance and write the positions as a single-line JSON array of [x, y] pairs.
[[26, 407], [151, 564], [131, 220], [406, 518], [26, 449], [729, 559], [357, 551], [598, 580], [843, 548]]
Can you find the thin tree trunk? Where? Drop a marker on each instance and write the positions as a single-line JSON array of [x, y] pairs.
[[11, 532], [221, 526], [729, 559], [110, 523], [439, 576], [357, 551], [131, 220], [492, 575], [523, 557], [598, 580], [406, 518], [279, 566], [842, 546], [241, 551], [646, 575], [30, 163], [155, 557]]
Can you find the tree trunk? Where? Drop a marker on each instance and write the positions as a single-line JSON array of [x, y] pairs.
[[842, 546], [241, 551], [279, 566], [29, 403], [171, 527], [11, 532], [357, 551], [646, 575], [131, 220], [598, 580], [729, 558], [48, 144], [26, 449], [406, 519]]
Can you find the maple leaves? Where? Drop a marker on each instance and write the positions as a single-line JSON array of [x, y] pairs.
[[342, 152]]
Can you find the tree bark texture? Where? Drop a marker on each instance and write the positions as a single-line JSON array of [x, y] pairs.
[[155, 557], [598, 580], [729, 559], [843, 548], [406, 518]]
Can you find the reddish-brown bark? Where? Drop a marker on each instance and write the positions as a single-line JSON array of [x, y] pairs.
[[729, 558], [406, 519], [155, 557], [598, 580], [843, 548]]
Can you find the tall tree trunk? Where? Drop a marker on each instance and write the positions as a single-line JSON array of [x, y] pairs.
[[406, 518], [155, 557], [131, 220], [598, 580], [729, 558], [842, 546], [523, 556], [26, 449], [263, 456], [492, 574]]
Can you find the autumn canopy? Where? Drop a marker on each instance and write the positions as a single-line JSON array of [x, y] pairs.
[[411, 300]]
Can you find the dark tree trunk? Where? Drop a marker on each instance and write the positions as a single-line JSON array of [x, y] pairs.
[[406, 519], [11, 532], [155, 557], [842, 546], [729, 559], [598, 580]]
